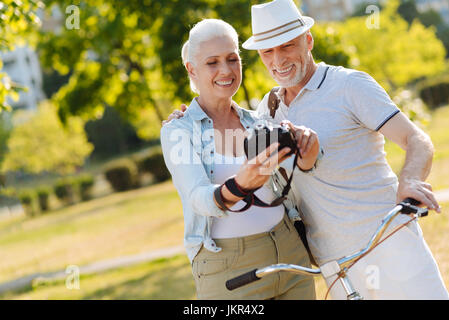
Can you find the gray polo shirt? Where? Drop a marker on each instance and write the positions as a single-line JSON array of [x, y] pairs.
[[353, 187]]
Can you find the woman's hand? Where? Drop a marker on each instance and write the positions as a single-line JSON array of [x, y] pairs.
[[308, 144], [255, 173], [176, 114]]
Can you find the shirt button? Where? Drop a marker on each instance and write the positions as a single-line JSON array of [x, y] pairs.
[[212, 171]]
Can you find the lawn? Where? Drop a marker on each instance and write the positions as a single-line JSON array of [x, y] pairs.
[[124, 223], [146, 219], [172, 279]]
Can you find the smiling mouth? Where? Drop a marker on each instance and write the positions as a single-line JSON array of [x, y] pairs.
[[284, 72], [223, 83]]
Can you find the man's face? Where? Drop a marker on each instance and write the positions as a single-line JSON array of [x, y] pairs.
[[288, 62]]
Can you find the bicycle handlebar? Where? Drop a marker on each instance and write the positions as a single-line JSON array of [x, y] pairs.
[[242, 280], [408, 206]]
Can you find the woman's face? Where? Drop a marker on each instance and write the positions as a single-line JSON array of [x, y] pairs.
[[218, 69]]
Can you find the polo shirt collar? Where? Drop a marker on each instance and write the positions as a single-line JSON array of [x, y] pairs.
[[314, 82], [317, 78]]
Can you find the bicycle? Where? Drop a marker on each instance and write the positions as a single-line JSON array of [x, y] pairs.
[[341, 266]]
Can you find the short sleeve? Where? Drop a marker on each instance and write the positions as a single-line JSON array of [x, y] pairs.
[[262, 109], [368, 101]]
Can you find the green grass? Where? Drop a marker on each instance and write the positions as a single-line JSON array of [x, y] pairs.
[[160, 279], [119, 224]]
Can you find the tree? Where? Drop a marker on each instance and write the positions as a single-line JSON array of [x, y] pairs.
[[407, 9], [127, 55], [395, 54], [39, 143], [111, 57], [5, 131], [17, 18]]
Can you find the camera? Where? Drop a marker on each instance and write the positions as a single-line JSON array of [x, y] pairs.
[[262, 135]]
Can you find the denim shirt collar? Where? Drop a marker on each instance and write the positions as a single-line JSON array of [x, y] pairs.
[[197, 113]]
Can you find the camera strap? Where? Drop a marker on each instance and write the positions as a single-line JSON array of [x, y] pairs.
[[285, 191], [249, 197], [273, 101]]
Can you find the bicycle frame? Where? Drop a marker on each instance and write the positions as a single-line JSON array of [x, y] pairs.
[[338, 267]]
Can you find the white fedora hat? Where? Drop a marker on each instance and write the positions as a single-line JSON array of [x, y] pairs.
[[275, 23]]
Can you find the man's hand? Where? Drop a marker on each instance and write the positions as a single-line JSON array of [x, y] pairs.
[[308, 144], [418, 190], [175, 114]]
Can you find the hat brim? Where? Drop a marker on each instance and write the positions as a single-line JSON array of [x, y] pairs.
[[251, 44]]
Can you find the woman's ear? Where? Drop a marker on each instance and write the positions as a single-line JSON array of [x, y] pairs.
[[190, 70]]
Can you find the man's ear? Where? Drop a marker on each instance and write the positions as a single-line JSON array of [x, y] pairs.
[[310, 41]]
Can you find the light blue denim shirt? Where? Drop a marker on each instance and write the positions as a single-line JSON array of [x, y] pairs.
[[188, 147]]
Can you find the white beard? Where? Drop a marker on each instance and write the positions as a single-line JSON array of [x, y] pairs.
[[299, 75]]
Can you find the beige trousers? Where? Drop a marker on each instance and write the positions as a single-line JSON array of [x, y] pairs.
[[239, 255]]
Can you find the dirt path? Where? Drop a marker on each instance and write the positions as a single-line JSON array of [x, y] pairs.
[[95, 267]]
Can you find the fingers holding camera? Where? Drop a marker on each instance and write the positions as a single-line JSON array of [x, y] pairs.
[[255, 172], [273, 161], [308, 144]]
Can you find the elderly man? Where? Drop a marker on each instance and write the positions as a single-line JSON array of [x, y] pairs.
[[346, 196], [344, 199]]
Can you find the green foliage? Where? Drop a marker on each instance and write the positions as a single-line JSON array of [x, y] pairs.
[[127, 55], [17, 19], [435, 91], [111, 58], [155, 165], [8, 196], [328, 46], [111, 135], [122, 175], [27, 198], [43, 194], [395, 53], [5, 132], [85, 185], [40, 143], [407, 9], [413, 107], [64, 190]]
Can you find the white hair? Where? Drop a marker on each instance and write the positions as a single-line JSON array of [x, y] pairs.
[[205, 30]]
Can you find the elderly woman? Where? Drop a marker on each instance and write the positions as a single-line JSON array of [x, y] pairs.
[[203, 150]]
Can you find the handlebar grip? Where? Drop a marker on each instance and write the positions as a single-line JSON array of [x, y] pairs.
[[412, 201], [410, 205], [242, 280]]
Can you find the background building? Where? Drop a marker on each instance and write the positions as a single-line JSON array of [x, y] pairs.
[[330, 10], [441, 6], [22, 66]]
